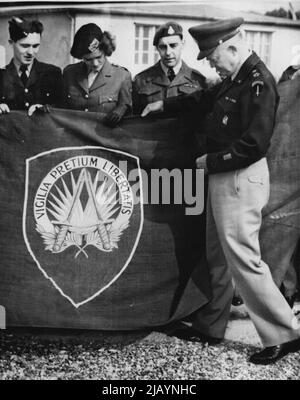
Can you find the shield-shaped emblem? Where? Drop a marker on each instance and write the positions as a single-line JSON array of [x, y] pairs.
[[83, 217]]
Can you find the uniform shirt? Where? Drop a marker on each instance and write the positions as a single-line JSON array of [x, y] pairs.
[[176, 69], [243, 116], [110, 90], [18, 66], [44, 86], [153, 84]]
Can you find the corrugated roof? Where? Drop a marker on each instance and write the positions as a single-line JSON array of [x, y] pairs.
[[186, 10]]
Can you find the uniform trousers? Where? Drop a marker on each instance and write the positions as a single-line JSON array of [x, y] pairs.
[[234, 215]]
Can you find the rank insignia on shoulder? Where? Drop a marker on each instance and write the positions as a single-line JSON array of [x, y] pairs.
[[258, 87], [230, 99], [227, 156]]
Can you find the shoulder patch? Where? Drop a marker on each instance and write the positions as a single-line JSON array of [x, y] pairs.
[[257, 87]]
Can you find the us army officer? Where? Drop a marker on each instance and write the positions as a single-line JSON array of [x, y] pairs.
[[244, 108], [27, 83], [94, 84], [170, 76]]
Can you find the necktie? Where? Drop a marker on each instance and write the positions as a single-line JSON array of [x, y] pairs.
[[23, 75], [171, 73]]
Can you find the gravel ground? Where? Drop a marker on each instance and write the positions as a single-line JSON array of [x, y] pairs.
[[36, 354]]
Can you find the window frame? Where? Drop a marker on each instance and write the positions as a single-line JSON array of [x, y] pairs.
[[140, 40], [263, 47]]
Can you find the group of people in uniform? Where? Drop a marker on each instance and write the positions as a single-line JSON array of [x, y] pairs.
[[241, 108], [93, 84]]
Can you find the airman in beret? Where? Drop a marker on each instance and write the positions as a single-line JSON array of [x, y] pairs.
[[26, 83], [244, 108], [94, 84], [170, 76]]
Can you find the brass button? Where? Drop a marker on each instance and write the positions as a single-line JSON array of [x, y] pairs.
[[86, 109], [27, 104], [86, 96], [26, 90]]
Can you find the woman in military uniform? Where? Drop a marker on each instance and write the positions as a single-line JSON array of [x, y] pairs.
[[94, 84]]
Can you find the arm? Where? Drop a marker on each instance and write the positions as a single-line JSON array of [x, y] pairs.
[[124, 104], [4, 109], [57, 81], [258, 111], [136, 106], [200, 101]]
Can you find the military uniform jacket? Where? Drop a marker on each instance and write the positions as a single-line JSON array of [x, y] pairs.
[[243, 116], [44, 86], [153, 84], [110, 90]]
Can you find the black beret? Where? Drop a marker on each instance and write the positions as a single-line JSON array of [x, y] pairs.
[[86, 40], [209, 36], [169, 29], [19, 28]]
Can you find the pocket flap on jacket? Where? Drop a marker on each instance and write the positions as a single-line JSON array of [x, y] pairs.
[[108, 98], [255, 179], [186, 89], [149, 90]]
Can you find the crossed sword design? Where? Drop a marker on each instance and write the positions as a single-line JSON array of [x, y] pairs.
[[84, 177]]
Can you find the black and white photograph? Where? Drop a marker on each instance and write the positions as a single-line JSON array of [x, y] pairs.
[[150, 193]]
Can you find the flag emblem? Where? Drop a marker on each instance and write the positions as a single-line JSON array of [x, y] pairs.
[[80, 208]]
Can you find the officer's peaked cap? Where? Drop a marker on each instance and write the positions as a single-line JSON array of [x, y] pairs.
[[86, 40], [168, 29], [208, 36]]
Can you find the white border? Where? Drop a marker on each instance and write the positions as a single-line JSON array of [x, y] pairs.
[[28, 160]]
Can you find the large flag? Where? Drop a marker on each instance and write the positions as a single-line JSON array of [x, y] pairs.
[[81, 246]]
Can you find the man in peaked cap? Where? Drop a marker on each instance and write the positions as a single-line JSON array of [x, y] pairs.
[[170, 76], [26, 83], [244, 108]]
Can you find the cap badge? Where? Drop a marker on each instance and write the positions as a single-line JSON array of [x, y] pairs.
[[227, 156], [225, 120], [171, 30], [94, 45], [18, 20]]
